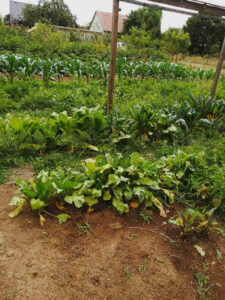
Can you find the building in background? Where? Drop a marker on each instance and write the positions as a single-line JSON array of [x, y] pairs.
[[16, 11], [102, 22]]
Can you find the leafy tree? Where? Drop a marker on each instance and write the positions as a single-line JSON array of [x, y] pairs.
[[7, 18], [144, 19], [54, 12], [46, 39], [175, 41], [204, 34], [140, 41]]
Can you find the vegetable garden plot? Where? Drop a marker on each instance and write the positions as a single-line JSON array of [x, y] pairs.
[[26, 68]]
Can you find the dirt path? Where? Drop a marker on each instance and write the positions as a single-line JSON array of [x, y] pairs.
[[122, 258]]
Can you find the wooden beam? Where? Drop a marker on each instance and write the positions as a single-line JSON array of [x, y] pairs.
[[201, 7], [112, 71], [218, 70], [184, 12]]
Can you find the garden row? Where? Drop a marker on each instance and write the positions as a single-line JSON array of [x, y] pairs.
[[26, 68], [91, 128], [126, 183]]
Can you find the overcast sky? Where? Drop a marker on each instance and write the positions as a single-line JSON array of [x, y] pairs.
[[85, 9]]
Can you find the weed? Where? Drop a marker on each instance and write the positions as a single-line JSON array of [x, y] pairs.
[[203, 281], [146, 215], [82, 229], [127, 273], [143, 267], [11, 294], [164, 262], [133, 236]]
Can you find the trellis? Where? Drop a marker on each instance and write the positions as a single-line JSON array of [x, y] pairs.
[[206, 10]]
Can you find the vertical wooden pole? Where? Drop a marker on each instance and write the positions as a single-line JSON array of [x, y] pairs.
[[218, 69], [113, 54]]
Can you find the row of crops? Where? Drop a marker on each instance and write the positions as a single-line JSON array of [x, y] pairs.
[[90, 127], [26, 68]]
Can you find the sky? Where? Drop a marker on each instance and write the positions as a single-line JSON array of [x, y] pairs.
[[85, 9]]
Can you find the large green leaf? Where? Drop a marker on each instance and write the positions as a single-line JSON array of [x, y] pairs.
[[90, 201], [149, 182], [16, 123], [16, 211], [120, 205], [113, 180], [63, 218], [107, 196], [25, 188], [17, 201], [37, 204], [77, 200], [141, 193]]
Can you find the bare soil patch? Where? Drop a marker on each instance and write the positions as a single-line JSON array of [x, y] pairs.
[[122, 258]]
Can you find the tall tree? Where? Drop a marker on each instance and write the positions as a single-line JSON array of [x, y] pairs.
[[204, 33], [175, 41], [148, 19], [54, 12]]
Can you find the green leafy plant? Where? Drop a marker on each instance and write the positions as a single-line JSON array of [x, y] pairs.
[[82, 229], [195, 222], [203, 281]]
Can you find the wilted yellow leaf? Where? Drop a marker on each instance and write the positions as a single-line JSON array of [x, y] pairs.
[[203, 224], [179, 221], [42, 221], [158, 204], [60, 207], [90, 210]]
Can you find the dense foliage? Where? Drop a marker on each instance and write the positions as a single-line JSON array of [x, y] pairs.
[[145, 19], [175, 41], [23, 67], [54, 12], [206, 34], [162, 145]]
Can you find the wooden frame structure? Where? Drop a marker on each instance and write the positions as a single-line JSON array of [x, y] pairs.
[[206, 9]]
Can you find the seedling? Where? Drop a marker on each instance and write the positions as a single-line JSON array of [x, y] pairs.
[[164, 262], [203, 281], [127, 273], [146, 215], [144, 266], [133, 236], [82, 229]]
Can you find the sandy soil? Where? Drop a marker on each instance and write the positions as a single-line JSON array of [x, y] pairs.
[[122, 258]]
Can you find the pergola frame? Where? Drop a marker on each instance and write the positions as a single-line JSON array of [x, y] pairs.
[[206, 9]]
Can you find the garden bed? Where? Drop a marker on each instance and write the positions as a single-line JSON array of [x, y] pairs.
[[116, 257]]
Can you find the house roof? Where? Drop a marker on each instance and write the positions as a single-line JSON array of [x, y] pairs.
[[105, 19], [16, 10]]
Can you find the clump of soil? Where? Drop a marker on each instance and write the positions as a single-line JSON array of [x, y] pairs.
[[119, 258]]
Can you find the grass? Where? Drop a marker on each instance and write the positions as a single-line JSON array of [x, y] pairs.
[[203, 280]]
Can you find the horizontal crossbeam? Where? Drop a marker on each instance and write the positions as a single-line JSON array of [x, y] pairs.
[[135, 2], [196, 5]]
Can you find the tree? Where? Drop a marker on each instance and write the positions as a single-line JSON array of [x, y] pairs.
[[175, 41], [7, 18], [46, 39], [145, 19], [204, 34], [140, 41], [54, 12]]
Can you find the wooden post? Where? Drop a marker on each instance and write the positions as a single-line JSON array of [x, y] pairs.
[[112, 71], [218, 69]]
